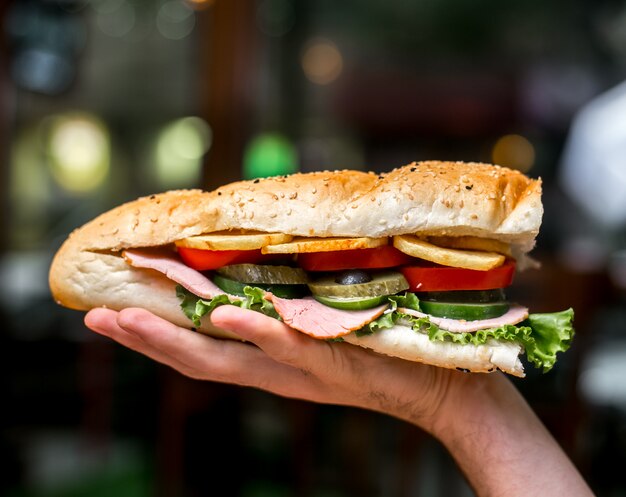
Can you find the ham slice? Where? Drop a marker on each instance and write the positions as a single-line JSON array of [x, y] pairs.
[[320, 321], [168, 264], [516, 314]]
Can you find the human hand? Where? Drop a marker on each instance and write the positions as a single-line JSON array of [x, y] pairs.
[[284, 361], [480, 418]]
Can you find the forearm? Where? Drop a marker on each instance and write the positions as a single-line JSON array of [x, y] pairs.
[[500, 444]]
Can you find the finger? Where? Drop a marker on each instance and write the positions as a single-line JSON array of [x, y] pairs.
[[279, 341], [104, 322], [203, 357]]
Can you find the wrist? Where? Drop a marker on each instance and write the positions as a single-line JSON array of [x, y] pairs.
[[476, 402], [498, 441]]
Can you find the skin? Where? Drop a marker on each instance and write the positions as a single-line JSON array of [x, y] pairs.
[[494, 436]]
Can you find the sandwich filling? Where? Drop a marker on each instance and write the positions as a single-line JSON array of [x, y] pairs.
[[447, 291]]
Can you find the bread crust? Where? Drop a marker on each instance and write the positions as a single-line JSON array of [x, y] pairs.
[[430, 198]]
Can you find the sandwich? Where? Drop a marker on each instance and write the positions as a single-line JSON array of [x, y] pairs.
[[413, 263]]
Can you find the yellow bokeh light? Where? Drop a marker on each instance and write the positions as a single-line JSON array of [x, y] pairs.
[[180, 148], [514, 151], [322, 62], [79, 152]]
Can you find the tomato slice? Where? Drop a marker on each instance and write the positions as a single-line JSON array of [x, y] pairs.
[[435, 278], [369, 258], [203, 260]]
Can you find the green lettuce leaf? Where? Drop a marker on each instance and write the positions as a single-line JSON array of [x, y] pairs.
[[195, 307], [390, 316], [552, 332], [541, 335], [408, 301]]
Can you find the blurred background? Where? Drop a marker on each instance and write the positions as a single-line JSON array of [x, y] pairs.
[[105, 100]]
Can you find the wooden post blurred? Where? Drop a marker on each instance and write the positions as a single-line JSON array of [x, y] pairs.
[[228, 77]]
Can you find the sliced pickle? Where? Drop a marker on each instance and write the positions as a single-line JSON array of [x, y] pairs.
[[264, 273], [235, 287], [383, 283]]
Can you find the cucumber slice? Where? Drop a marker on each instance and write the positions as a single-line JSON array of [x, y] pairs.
[[264, 273], [235, 287], [468, 312], [351, 303], [383, 283], [465, 296]]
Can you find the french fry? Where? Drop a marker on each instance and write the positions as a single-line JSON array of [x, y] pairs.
[[469, 259], [300, 245], [233, 240]]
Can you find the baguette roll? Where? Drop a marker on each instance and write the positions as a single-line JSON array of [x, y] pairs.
[[427, 199]]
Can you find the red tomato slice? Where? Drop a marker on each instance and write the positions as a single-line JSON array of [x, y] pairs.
[[371, 258], [203, 260], [443, 278]]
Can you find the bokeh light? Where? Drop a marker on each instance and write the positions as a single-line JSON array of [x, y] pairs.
[[269, 154], [514, 151], [322, 62], [79, 151], [175, 20], [179, 150], [116, 18], [200, 4]]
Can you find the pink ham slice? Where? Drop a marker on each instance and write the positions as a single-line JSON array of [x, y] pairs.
[[168, 264], [320, 321], [516, 314]]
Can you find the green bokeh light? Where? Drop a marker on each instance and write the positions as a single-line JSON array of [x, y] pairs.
[[269, 154]]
